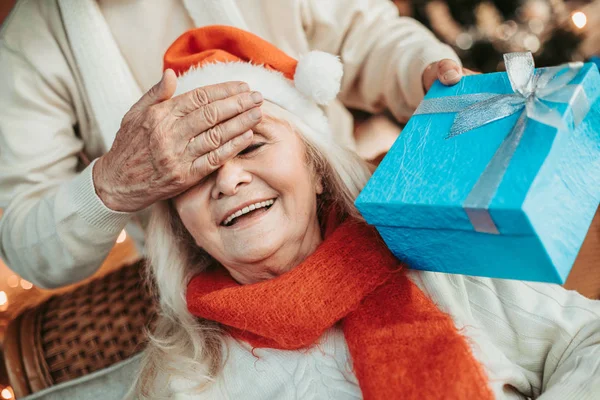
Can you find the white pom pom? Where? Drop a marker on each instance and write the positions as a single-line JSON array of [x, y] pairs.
[[318, 76]]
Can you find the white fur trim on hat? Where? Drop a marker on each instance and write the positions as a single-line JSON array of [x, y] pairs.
[[273, 86], [319, 76]]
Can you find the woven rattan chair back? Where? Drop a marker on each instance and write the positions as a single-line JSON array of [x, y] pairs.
[[79, 332]]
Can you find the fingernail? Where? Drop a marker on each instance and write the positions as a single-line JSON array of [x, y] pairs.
[[243, 88], [451, 75], [256, 97], [255, 114]]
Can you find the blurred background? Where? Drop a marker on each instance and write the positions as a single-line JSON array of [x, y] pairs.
[[555, 31]]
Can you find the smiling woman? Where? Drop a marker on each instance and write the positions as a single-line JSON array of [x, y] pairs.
[[258, 211], [271, 286]]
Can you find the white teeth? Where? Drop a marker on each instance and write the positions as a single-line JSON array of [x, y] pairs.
[[247, 209]]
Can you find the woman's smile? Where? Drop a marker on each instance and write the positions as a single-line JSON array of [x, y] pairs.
[[248, 214]]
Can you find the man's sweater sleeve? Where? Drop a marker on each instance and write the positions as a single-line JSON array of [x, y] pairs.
[[54, 229], [384, 55]]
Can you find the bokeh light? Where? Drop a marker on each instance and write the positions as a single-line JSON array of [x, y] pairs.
[[13, 281], [122, 237], [579, 19], [6, 393], [26, 285]]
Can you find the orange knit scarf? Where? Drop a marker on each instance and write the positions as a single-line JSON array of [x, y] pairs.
[[402, 345]]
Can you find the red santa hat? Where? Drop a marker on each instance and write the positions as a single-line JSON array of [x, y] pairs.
[[216, 54]]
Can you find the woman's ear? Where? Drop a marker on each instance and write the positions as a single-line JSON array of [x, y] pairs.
[[319, 185]]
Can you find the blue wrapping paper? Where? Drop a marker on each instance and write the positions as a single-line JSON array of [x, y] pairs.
[[541, 208]]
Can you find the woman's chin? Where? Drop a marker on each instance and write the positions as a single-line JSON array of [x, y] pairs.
[[254, 252]]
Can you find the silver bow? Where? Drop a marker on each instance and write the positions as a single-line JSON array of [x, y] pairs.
[[530, 89]]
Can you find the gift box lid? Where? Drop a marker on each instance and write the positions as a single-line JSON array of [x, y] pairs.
[[425, 178]]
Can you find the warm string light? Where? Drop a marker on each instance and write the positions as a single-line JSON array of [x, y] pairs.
[[26, 285], [3, 301], [505, 35], [7, 393], [531, 43], [579, 19], [13, 281], [481, 28]]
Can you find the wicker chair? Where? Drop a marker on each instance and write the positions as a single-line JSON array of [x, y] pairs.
[[74, 334]]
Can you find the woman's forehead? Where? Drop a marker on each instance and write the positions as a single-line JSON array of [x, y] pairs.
[[271, 124]]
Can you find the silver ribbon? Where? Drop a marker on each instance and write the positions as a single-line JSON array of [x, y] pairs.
[[530, 87]]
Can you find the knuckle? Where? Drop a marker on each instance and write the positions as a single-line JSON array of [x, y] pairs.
[[214, 136], [148, 123], [152, 117], [179, 180], [153, 92], [240, 104], [235, 87], [211, 114], [176, 178], [246, 120], [446, 64], [213, 159], [161, 153], [201, 96]]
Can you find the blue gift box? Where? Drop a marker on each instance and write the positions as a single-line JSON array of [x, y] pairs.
[[535, 217]]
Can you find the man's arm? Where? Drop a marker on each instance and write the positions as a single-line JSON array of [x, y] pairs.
[[384, 55], [55, 230]]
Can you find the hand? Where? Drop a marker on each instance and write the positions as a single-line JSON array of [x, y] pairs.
[[447, 71], [166, 145]]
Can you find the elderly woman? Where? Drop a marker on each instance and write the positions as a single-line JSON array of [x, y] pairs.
[[271, 286]]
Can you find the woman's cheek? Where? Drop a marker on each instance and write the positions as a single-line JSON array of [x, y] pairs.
[[196, 216]]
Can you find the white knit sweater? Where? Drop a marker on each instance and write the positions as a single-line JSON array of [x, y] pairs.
[[534, 341]]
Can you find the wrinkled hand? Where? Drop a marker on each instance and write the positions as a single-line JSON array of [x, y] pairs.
[[447, 71], [166, 145]]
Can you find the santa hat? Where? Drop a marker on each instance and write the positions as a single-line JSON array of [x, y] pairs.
[[216, 54]]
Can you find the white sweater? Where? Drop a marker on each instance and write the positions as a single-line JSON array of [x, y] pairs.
[[534, 341], [67, 78]]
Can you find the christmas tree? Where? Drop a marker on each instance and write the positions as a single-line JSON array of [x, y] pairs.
[[555, 31]]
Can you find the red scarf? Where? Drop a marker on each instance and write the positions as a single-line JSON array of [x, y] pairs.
[[402, 345]]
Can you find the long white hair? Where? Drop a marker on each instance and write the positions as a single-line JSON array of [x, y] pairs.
[[182, 347]]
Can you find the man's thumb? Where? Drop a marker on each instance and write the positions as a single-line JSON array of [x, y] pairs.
[[160, 92]]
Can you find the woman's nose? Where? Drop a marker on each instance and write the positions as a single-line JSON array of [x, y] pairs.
[[230, 177]]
